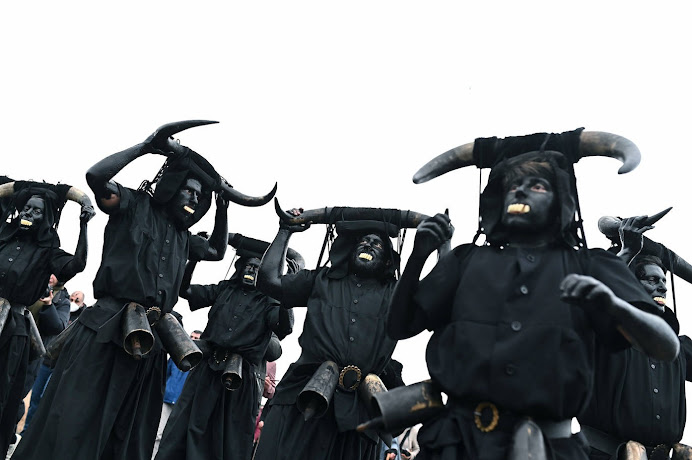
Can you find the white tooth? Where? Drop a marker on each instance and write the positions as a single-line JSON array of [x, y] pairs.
[[249, 277], [26, 223], [365, 256], [660, 300], [189, 209]]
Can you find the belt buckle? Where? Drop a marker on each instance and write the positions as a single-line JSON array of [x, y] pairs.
[[344, 371], [478, 411]]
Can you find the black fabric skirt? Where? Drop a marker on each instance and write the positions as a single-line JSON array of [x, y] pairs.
[[14, 358], [99, 404], [287, 436], [209, 422]]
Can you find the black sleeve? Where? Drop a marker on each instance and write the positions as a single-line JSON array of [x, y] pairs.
[[612, 271], [436, 291], [201, 296], [297, 288]]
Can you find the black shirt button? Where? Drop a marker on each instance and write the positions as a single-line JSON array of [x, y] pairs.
[[524, 290], [230, 329], [353, 320], [530, 258], [10, 259], [516, 326], [18, 248], [351, 339], [357, 285], [510, 369], [653, 366], [160, 275], [656, 390], [658, 417], [235, 317], [163, 257], [168, 241], [355, 300], [160, 292]]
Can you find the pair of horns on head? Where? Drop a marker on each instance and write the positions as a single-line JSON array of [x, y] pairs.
[[591, 143]]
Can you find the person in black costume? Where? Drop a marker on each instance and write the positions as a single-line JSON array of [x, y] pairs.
[[514, 320], [346, 309], [210, 421], [638, 399], [116, 410], [29, 253]]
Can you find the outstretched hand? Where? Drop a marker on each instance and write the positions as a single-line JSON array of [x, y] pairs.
[[432, 232], [586, 291]]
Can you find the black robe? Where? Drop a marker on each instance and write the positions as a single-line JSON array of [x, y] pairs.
[[100, 403], [209, 422], [502, 334], [25, 268], [345, 323]]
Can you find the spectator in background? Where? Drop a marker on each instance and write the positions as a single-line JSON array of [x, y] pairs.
[[52, 315], [408, 443], [77, 305], [175, 379]]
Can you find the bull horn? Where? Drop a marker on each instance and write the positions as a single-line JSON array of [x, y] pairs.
[[6, 189], [455, 158], [401, 218], [161, 138], [235, 196], [73, 194], [591, 143], [609, 225], [598, 143]]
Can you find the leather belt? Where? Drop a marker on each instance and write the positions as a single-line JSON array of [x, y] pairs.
[[609, 444], [488, 417]]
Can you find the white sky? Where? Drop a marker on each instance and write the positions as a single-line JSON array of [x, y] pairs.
[[342, 102]]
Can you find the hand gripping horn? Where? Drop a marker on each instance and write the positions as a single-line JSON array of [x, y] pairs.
[[591, 143], [609, 225], [402, 218], [162, 142]]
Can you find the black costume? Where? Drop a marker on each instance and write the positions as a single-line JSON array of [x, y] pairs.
[[208, 421], [505, 346], [26, 263], [637, 398], [345, 323], [123, 425], [525, 350]]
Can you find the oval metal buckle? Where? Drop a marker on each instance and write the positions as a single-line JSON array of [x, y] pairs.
[[478, 411], [343, 372]]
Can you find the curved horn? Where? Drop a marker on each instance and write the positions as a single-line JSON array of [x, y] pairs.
[[229, 193], [609, 225], [6, 189], [598, 143], [161, 138], [402, 218], [449, 161]]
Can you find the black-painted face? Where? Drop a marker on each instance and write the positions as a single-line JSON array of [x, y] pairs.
[[184, 203], [654, 281], [32, 215], [529, 204], [369, 257], [250, 271]]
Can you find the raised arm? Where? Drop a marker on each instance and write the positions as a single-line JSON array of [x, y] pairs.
[[218, 242], [78, 262], [271, 268], [646, 331], [631, 232], [405, 318]]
